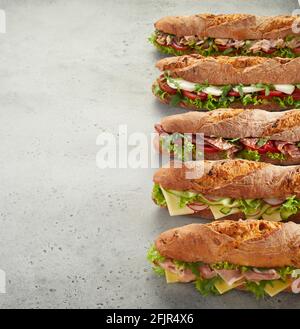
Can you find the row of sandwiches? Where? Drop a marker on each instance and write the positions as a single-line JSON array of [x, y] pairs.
[[235, 158]]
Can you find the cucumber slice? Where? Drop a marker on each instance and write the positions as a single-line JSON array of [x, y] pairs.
[[272, 210], [225, 210], [184, 194]]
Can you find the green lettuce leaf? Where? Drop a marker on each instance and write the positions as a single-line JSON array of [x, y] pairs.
[[249, 155], [290, 207], [158, 196], [249, 207], [207, 287], [154, 257], [258, 289], [276, 156]]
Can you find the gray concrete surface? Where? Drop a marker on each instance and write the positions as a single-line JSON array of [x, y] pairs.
[[72, 235]]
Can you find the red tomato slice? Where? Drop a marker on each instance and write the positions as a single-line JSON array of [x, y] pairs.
[[194, 96], [179, 47], [210, 149], [296, 50], [270, 51], [296, 91], [233, 93], [166, 88], [268, 147], [296, 97], [222, 48], [273, 93]]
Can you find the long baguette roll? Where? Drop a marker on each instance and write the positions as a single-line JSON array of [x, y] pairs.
[[225, 70], [235, 26], [237, 123], [249, 243], [231, 178]]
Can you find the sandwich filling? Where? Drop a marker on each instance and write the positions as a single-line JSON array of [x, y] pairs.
[[177, 91], [173, 45], [256, 149], [216, 279], [189, 203]]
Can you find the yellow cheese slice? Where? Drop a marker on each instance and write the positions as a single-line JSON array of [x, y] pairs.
[[223, 287], [173, 202], [278, 286], [171, 277], [218, 214]]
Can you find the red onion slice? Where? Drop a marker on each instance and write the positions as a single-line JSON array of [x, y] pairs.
[[296, 286], [197, 206], [274, 201]]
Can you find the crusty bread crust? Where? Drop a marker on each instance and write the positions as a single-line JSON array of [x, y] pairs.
[[232, 26], [235, 178], [225, 70], [237, 123], [255, 243]]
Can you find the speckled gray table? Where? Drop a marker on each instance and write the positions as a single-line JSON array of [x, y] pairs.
[[72, 235]]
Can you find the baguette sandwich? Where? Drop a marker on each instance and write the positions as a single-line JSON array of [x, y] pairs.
[[257, 135], [206, 83], [235, 34], [258, 256], [229, 189]]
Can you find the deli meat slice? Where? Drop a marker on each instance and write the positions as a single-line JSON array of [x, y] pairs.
[[257, 275], [288, 149], [184, 274], [250, 142], [219, 143], [206, 272]]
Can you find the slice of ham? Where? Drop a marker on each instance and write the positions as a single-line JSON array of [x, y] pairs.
[[219, 143], [264, 45], [296, 286], [257, 275], [168, 265], [206, 272], [236, 43], [184, 274], [288, 149], [250, 142], [230, 276], [222, 42]]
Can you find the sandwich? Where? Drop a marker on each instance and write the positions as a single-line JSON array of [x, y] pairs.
[[235, 34], [257, 135], [229, 189], [207, 83], [261, 257]]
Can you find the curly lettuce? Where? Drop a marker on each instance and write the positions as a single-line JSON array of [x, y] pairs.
[[158, 196]]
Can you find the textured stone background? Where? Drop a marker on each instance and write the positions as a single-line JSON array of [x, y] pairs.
[[72, 235]]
